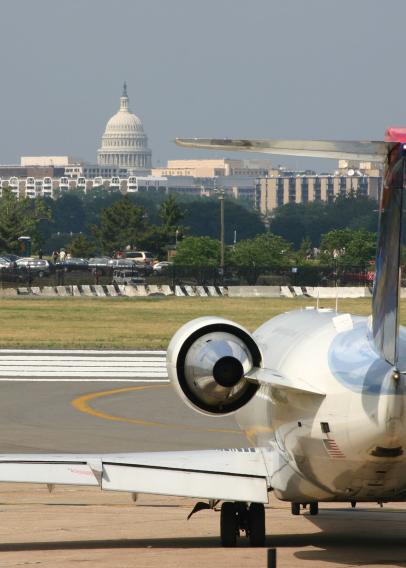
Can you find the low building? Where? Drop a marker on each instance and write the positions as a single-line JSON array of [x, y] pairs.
[[135, 184], [276, 191], [43, 161], [215, 167]]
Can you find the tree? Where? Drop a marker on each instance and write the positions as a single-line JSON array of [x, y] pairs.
[[82, 247], [305, 250], [298, 221], [68, 213], [121, 225], [20, 217], [252, 255], [202, 217], [170, 213], [349, 248], [198, 251]]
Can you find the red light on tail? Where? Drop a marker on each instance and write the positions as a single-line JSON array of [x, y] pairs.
[[395, 134]]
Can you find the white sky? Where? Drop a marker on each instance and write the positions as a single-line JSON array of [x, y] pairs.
[[222, 68]]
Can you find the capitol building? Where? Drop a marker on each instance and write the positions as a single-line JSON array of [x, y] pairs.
[[124, 142]]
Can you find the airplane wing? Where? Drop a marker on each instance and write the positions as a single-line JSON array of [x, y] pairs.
[[338, 149], [230, 474], [273, 378]]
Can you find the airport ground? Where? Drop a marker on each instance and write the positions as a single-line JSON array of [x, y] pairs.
[[136, 323], [86, 527]]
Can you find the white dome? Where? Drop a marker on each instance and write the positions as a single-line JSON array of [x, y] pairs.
[[124, 142], [124, 121]]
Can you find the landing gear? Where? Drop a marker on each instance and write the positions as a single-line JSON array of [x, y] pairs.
[[256, 524], [228, 524], [295, 508], [236, 517], [313, 506]]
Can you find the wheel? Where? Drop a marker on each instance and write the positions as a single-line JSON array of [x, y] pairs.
[[295, 508], [228, 524], [256, 524], [41, 273], [314, 508]]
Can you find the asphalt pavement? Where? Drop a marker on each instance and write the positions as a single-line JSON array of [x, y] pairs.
[[99, 401]]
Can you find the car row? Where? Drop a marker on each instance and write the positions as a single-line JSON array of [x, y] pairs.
[[142, 265]]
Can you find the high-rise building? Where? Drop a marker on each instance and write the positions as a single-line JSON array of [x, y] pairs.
[[124, 142]]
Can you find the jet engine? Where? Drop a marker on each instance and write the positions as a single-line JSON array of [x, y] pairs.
[[207, 361]]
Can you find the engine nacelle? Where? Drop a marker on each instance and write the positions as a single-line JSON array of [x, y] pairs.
[[207, 360]]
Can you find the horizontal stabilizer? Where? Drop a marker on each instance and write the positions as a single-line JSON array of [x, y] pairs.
[[352, 150], [275, 379]]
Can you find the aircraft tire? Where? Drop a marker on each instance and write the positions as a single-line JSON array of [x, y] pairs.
[[256, 521], [295, 508], [228, 524], [314, 508]]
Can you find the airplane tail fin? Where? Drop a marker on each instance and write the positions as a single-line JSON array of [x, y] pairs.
[[386, 293], [392, 151]]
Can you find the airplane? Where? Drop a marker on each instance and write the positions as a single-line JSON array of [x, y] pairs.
[[319, 394]]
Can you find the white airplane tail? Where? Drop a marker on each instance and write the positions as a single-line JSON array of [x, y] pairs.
[[391, 151]]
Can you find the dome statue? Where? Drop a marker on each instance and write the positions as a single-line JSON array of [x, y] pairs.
[[124, 142]]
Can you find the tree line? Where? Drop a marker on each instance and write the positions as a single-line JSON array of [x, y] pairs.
[[102, 222]]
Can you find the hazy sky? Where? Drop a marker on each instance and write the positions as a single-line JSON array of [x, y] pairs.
[[224, 68]]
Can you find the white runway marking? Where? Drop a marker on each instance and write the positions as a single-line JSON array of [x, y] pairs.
[[16, 359], [79, 380], [99, 352], [82, 365]]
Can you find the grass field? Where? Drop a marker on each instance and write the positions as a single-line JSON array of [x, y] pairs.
[[145, 323]]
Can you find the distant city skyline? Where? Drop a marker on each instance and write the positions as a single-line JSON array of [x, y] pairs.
[[264, 69]]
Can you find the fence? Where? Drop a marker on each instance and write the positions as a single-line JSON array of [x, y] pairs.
[[306, 275]]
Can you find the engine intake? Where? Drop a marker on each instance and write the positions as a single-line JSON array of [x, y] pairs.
[[207, 361]]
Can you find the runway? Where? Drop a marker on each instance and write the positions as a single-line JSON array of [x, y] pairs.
[[99, 401]]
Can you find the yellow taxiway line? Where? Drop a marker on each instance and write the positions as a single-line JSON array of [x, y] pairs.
[[82, 404]]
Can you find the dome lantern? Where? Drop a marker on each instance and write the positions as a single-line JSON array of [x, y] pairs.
[[124, 98]]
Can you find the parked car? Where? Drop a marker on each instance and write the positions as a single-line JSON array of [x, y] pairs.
[[162, 266], [36, 266], [9, 257], [70, 264], [140, 256], [129, 264], [127, 277], [7, 262], [100, 263], [116, 263]]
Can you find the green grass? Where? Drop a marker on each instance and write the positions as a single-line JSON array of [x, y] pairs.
[[145, 323]]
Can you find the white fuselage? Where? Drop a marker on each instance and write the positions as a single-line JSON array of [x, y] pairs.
[[349, 444]]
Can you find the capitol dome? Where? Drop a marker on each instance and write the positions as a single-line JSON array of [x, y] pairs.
[[124, 142]]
